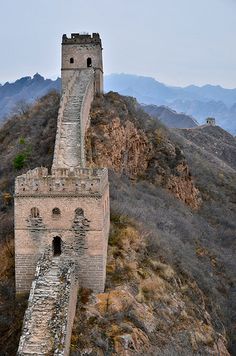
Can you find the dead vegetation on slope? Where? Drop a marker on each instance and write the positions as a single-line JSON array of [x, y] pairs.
[[147, 308], [30, 136], [200, 246]]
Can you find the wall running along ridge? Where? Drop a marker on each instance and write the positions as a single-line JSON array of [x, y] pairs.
[[73, 120], [62, 218]]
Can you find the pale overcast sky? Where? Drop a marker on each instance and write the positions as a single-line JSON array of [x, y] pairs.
[[178, 42]]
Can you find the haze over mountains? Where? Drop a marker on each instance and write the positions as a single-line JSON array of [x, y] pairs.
[[199, 102], [195, 102], [25, 89], [170, 117]]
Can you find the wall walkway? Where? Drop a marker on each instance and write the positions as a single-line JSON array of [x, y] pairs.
[[73, 120], [49, 317]]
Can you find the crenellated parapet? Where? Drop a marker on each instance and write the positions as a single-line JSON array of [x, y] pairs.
[[82, 38], [80, 181]]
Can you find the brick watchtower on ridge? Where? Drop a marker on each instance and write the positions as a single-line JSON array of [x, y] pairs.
[[66, 213], [82, 51]]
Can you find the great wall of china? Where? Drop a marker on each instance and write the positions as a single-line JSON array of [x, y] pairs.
[[62, 218]]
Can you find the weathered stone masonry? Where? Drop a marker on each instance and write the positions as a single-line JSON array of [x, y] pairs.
[[63, 215]]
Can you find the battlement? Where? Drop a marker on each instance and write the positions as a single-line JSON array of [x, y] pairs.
[[62, 181], [77, 38]]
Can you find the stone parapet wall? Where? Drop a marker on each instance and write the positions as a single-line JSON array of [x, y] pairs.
[[86, 105], [91, 272], [82, 181], [64, 100], [25, 265]]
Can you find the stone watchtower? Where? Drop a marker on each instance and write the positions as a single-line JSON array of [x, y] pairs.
[[81, 52], [211, 121], [65, 212]]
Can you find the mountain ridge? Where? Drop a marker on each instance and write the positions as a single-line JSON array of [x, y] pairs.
[[24, 90], [170, 117], [194, 101], [169, 261], [199, 102]]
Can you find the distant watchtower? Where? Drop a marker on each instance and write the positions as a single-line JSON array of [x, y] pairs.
[[82, 51], [211, 121]]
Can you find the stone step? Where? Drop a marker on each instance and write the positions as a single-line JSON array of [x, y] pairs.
[[71, 115], [47, 288], [75, 120]]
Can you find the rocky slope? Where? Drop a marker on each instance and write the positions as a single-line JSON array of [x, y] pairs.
[[214, 141], [123, 138], [171, 268], [147, 308]]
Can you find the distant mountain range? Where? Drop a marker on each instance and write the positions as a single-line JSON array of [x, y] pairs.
[[169, 117], [198, 102], [26, 89], [191, 102]]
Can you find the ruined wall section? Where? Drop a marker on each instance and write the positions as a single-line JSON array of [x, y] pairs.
[[49, 317], [73, 120]]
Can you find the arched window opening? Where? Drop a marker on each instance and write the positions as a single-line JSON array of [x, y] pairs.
[[89, 62], [56, 212], [71, 60], [56, 246], [34, 212], [79, 212]]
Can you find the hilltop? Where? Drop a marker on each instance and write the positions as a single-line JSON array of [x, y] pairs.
[[170, 117], [171, 259], [14, 97], [213, 142]]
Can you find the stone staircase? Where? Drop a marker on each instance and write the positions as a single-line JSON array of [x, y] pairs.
[[47, 320], [69, 149]]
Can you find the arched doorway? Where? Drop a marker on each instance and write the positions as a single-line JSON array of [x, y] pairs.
[[56, 246]]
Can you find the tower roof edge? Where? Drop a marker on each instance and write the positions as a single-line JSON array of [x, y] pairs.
[[82, 38]]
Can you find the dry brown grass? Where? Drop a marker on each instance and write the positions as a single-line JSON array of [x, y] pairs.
[[152, 289], [165, 271], [7, 260]]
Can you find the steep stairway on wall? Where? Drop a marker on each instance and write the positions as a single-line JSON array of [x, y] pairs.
[[69, 149], [46, 319]]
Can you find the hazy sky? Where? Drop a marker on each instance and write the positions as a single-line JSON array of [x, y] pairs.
[[179, 42]]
